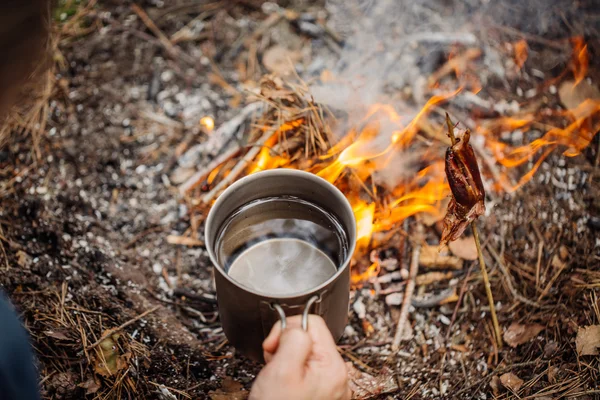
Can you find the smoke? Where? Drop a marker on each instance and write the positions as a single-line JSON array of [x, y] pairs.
[[392, 47]]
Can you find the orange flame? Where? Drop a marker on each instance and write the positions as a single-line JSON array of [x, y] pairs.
[[580, 61], [369, 273], [363, 213], [384, 135], [365, 148]]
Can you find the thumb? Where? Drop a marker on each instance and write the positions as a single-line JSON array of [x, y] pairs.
[[295, 347]]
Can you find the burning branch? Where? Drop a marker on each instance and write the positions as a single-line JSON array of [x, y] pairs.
[[243, 163], [467, 204]]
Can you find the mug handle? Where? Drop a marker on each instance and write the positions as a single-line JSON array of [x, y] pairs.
[[307, 307]]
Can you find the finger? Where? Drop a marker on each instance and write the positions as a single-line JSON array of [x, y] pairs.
[[294, 348], [271, 343], [348, 394]]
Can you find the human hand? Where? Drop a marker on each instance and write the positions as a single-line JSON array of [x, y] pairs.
[[301, 365]]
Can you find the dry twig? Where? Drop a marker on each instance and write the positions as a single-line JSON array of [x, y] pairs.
[[112, 331], [235, 171], [200, 175], [410, 287]]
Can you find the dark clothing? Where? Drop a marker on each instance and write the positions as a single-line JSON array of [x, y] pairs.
[[18, 377]]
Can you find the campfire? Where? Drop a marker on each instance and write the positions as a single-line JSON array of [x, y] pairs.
[[155, 113], [291, 130]]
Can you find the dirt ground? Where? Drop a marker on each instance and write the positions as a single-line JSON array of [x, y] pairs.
[[87, 207]]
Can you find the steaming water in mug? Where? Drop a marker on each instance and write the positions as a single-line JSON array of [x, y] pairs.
[[281, 246]]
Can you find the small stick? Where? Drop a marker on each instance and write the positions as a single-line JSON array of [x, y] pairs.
[[484, 274], [199, 176], [257, 146], [488, 287], [112, 331], [410, 287]]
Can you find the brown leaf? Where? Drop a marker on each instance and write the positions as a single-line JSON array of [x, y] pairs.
[[511, 381], [90, 386], [56, 335], [495, 385], [588, 340], [517, 334], [465, 182], [571, 95], [279, 60], [464, 247], [230, 390], [364, 385], [108, 360], [552, 374], [23, 259]]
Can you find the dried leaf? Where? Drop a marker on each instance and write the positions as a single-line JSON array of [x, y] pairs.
[[517, 334], [511, 381], [364, 385], [230, 390], [56, 335], [108, 360], [23, 259], [588, 340], [468, 194], [495, 385], [464, 247], [279, 60], [272, 88], [90, 386], [571, 95], [434, 257], [552, 374]]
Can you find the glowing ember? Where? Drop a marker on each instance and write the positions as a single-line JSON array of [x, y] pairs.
[[208, 123]]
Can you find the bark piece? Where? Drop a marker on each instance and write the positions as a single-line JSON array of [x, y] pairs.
[[511, 381]]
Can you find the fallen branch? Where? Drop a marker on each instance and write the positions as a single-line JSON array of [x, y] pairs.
[[201, 175], [239, 167], [112, 331], [410, 287]]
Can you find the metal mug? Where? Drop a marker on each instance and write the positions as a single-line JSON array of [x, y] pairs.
[[247, 316]]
